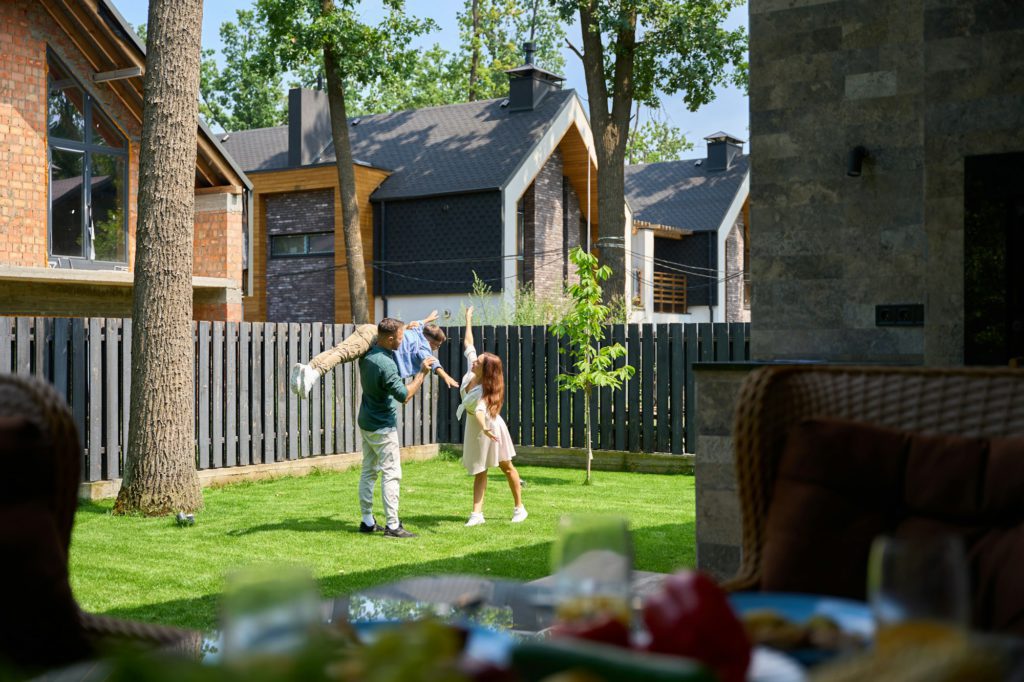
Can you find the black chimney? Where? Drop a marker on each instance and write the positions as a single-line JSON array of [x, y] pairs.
[[528, 84], [309, 125], [723, 148]]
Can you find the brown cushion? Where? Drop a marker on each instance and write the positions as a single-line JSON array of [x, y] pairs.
[[841, 483]]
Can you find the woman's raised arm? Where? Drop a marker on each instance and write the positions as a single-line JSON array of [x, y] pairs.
[[467, 337]]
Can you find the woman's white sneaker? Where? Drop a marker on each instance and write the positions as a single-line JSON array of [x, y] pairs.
[[519, 514], [475, 519]]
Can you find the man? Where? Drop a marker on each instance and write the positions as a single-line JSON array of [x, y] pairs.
[[383, 391], [420, 340]]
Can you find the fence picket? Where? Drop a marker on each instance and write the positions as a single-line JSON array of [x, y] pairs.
[[676, 383], [316, 400], [6, 339], [280, 379], [256, 411], [647, 387], [244, 444], [231, 394], [111, 387], [604, 394], [526, 385], [293, 401], [738, 341], [61, 337], [95, 399], [512, 396], [551, 381], [539, 385], [217, 397], [618, 336], [632, 388], [23, 344], [126, 384], [720, 332], [691, 352], [564, 397], [40, 347], [270, 402], [79, 378]]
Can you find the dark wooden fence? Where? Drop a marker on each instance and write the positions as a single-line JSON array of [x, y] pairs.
[[647, 415], [245, 413]]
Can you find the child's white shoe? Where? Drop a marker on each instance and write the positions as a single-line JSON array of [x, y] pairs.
[[475, 519], [519, 514]]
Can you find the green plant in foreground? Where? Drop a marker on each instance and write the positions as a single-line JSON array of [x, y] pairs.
[[583, 324]]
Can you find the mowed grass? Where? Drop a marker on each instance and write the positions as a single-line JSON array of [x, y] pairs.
[[150, 569]]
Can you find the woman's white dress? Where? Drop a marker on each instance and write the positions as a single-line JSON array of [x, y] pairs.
[[478, 451]]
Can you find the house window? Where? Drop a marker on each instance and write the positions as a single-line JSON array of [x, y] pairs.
[[308, 244], [669, 293], [521, 242], [88, 174], [638, 288]]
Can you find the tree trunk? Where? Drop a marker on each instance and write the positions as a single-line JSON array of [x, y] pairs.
[[160, 469], [346, 184], [586, 423], [475, 44], [611, 128]]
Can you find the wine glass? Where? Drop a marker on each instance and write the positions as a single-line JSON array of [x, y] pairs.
[[592, 560], [268, 610], [918, 590]]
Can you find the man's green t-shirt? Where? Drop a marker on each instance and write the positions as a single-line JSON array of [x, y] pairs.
[[383, 390]]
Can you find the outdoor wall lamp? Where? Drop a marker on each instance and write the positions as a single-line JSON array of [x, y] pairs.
[[856, 161]]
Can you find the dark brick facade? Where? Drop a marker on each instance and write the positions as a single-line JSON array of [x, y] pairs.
[[695, 253], [552, 228], [459, 227], [300, 288]]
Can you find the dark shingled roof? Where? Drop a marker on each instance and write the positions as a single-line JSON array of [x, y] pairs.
[[437, 150], [682, 194]]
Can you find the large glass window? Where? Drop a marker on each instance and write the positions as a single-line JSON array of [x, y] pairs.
[[88, 175]]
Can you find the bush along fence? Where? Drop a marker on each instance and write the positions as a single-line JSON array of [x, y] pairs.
[[648, 414], [244, 412]]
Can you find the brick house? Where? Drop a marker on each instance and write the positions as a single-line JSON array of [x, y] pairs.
[[70, 125], [691, 234], [497, 187]]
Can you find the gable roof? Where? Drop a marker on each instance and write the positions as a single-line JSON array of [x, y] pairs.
[[449, 149], [683, 194]]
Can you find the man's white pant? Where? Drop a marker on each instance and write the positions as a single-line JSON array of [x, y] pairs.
[[381, 454]]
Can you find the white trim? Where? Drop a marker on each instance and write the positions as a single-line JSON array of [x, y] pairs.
[[571, 113], [723, 234]]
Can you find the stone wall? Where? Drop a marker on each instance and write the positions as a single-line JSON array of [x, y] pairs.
[[735, 310], [552, 228], [921, 84]]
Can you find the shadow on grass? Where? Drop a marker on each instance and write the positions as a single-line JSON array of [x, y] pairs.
[[89, 507], [527, 562]]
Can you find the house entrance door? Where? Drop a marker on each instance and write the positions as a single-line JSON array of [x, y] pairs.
[[994, 260]]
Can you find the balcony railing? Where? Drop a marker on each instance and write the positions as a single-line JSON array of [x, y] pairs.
[[669, 293]]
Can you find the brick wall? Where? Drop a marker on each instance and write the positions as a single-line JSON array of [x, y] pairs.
[[300, 289], [734, 286], [544, 243], [26, 31], [572, 230]]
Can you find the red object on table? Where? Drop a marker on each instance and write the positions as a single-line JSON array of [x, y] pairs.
[[691, 617], [605, 629]]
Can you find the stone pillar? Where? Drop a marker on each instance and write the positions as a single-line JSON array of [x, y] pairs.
[[719, 524], [218, 253]]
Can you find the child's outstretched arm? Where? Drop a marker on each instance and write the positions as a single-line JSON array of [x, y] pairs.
[[467, 339]]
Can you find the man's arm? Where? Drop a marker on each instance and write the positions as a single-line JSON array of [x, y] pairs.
[[413, 386]]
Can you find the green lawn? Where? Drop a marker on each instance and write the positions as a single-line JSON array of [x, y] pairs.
[[150, 569]]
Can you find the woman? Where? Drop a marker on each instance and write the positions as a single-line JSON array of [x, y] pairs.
[[487, 442]]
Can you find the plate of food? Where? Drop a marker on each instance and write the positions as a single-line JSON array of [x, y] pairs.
[[810, 628]]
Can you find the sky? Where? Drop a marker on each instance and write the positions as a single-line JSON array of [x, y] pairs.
[[729, 111]]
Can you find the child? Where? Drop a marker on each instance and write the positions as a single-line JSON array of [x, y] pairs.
[[420, 340], [487, 442]]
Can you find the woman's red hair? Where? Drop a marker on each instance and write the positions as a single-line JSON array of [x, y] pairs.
[[493, 382]]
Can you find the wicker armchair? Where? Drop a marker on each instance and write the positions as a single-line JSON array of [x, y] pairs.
[[970, 402], [39, 404]]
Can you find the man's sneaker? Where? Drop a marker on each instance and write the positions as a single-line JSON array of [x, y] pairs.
[[519, 514], [375, 528], [399, 532], [475, 519]]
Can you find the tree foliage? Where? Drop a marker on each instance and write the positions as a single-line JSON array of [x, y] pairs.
[[248, 91], [635, 51], [656, 141], [583, 325], [438, 76]]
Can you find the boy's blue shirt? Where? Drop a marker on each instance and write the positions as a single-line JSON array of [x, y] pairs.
[[411, 353]]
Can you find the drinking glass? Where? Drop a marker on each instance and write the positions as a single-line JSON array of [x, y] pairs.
[[268, 610], [918, 590], [592, 560]]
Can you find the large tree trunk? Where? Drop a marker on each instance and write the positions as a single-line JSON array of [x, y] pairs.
[[611, 128], [475, 45], [160, 469], [346, 184]]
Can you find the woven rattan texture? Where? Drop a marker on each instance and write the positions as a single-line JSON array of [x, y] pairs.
[[969, 402], [43, 405]]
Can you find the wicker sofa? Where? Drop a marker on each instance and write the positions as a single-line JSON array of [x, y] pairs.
[[41, 456], [971, 402]]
